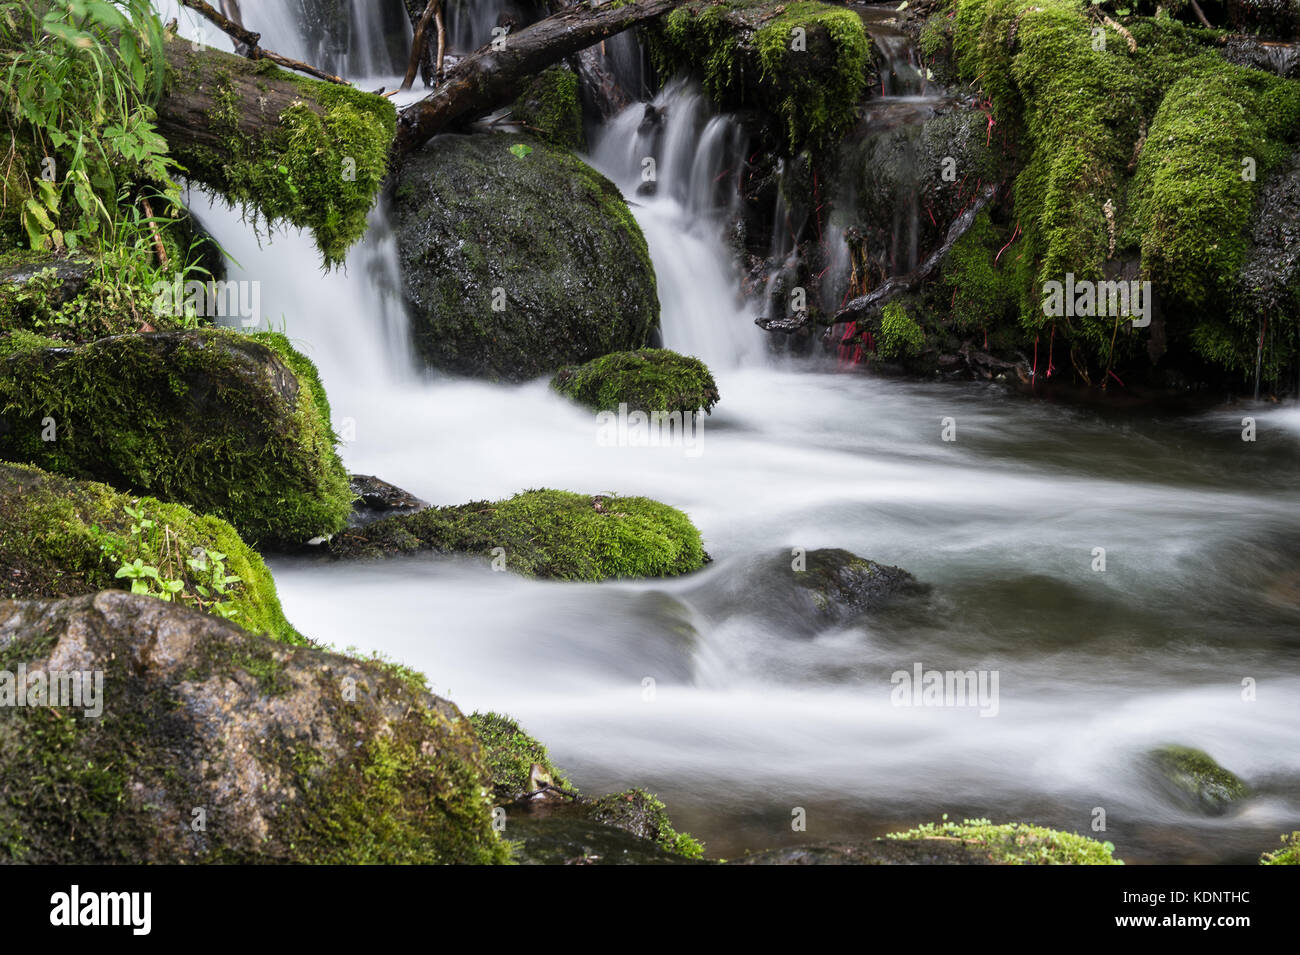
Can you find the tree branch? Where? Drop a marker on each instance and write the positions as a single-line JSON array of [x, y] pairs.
[[250, 42]]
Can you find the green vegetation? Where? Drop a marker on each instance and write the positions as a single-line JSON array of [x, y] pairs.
[[644, 814], [64, 537], [230, 424], [549, 107], [900, 336], [509, 754], [1126, 154], [544, 533], [1289, 854], [650, 379], [1017, 843], [752, 53]]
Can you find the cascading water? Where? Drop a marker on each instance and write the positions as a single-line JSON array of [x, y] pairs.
[[756, 711]]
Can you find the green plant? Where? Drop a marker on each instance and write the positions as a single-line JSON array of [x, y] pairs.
[[150, 558]]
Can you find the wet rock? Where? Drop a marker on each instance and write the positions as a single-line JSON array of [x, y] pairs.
[[1269, 279], [880, 852], [235, 425], [572, 839], [1193, 779], [61, 279], [378, 499], [214, 745], [1272, 56], [517, 258], [837, 585]]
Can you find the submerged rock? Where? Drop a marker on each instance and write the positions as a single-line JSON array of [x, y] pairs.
[[376, 499], [517, 258], [837, 585], [573, 839], [650, 379], [544, 533], [235, 425], [66, 538], [214, 745], [1192, 778]]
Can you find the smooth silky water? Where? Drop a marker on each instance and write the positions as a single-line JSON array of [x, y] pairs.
[[754, 710]]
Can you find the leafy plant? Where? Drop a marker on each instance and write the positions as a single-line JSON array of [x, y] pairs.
[[151, 558]]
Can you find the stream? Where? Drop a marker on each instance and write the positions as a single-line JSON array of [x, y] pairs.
[[705, 689]]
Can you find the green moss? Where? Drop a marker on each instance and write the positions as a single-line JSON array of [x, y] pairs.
[[650, 379], [1289, 854], [643, 814], [210, 418], [813, 91], [317, 167], [553, 534], [1194, 773], [53, 529], [509, 754], [550, 108], [900, 336], [1017, 843]]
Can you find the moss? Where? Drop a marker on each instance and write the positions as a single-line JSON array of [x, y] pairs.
[[1289, 854], [742, 49], [319, 167], [550, 108], [1017, 843], [509, 755], [544, 533], [230, 424], [1195, 774], [54, 527], [900, 336], [643, 814], [650, 379]]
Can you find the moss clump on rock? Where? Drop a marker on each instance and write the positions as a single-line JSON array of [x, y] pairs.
[[1289, 854], [545, 533], [292, 754], [510, 754], [549, 108], [230, 424], [1192, 776], [54, 529], [518, 258], [1016, 843], [805, 63], [644, 815], [649, 379], [317, 162]]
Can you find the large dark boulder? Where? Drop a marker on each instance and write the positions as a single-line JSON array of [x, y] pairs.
[[518, 258]]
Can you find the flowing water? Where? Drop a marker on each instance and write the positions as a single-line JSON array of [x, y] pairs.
[[754, 711]]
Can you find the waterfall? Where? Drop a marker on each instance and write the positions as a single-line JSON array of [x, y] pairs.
[[678, 164]]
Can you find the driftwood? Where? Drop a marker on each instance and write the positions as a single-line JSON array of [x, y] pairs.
[[495, 74]]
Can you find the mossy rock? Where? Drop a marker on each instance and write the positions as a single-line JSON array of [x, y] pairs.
[[1289, 854], [54, 528], [806, 64], [544, 533], [834, 584], [549, 107], [229, 424], [1016, 843], [649, 379], [518, 258], [292, 755], [645, 816], [1195, 780], [510, 755]]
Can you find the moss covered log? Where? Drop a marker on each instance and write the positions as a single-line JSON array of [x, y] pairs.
[[56, 542], [552, 534], [649, 379], [229, 424], [805, 63], [291, 149]]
